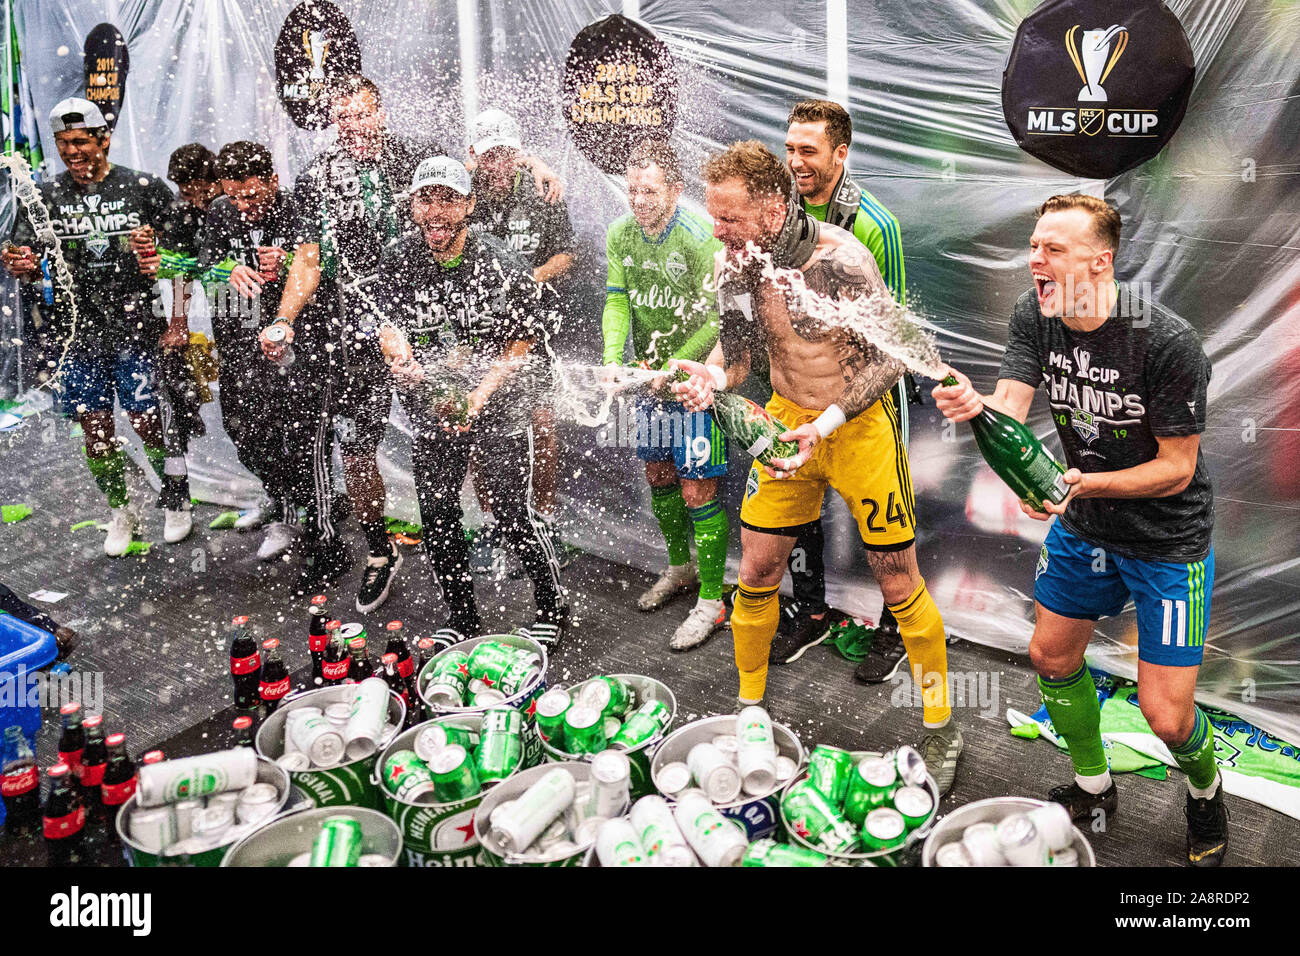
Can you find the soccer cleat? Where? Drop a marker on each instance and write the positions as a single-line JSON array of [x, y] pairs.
[[278, 538], [322, 565], [673, 581], [884, 658], [177, 523], [122, 529], [1207, 829], [252, 518], [377, 579], [445, 637], [1081, 804], [797, 632], [940, 749], [705, 618]]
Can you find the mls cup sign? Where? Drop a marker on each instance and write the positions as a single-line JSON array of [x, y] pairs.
[[620, 87], [316, 45], [1097, 87], [106, 65]]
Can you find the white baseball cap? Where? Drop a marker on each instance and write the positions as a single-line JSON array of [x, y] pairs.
[[441, 171], [76, 113], [494, 128]]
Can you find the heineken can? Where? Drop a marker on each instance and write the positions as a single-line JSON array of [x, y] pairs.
[[871, 785], [211, 823], [453, 773], [154, 829], [337, 714], [365, 727], [584, 730], [673, 778], [521, 672], [756, 754], [771, 853], [533, 811], [488, 698], [320, 740], [713, 773], [715, 839], [449, 681], [289, 840], [1020, 841], [785, 769], [612, 696], [301, 712], [617, 845], [910, 767], [350, 632], [438, 735], [1066, 856], [490, 660], [611, 774], [817, 821], [829, 770], [914, 804], [661, 838], [256, 803], [1053, 822], [642, 726], [175, 780], [408, 777], [981, 843], [612, 726], [551, 708], [501, 746], [729, 744], [338, 844], [883, 829]]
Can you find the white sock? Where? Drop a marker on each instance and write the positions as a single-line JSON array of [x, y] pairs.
[[1204, 793], [1094, 784], [937, 726]]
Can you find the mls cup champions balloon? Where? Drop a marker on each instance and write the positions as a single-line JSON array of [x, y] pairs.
[[1097, 87], [106, 63], [316, 45]]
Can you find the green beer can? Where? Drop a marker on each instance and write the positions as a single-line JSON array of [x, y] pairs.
[[490, 661], [644, 725], [453, 775], [816, 820], [884, 829], [584, 730], [501, 744], [521, 672], [771, 853], [436, 736], [407, 776], [871, 785], [338, 843], [611, 695], [551, 708], [829, 770], [449, 681], [915, 804]]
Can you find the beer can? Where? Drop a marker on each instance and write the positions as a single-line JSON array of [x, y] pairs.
[[338, 843], [612, 696], [660, 836], [174, 780], [818, 821], [338, 714], [714, 838], [914, 804], [373, 859], [498, 810], [871, 785], [612, 726], [1020, 841], [1067, 856], [256, 803], [533, 811], [584, 730], [501, 744], [910, 767], [365, 727], [785, 768], [350, 632], [291, 718], [883, 829], [728, 744], [475, 686], [829, 770], [551, 708], [756, 755], [489, 698], [1052, 820], [407, 776], [320, 740], [642, 726], [953, 854], [153, 829], [294, 762], [184, 811], [611, 775], [229, 798], [211, 823], [768, 852], [713, 773], [617, 845], [589, 829], [436, 736], [981, 843], [449, 680], [673, 778], [521, 673], [489, 661], [454, 778], [557, 832]]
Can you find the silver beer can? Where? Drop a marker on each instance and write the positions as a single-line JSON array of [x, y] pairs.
[[714, 773], [611, 775]]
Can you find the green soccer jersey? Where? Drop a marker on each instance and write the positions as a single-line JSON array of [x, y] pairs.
[[877, 229], [656, 290]]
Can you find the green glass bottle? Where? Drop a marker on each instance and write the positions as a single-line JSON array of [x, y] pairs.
[[1017, 457], [177, 265], [749, 425]]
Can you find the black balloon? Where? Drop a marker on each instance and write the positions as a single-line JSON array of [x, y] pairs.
[[316, 45], [106, 64], [619, 87], [1096, 87]]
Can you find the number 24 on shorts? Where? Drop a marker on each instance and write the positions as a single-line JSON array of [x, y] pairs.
[[894, 513]]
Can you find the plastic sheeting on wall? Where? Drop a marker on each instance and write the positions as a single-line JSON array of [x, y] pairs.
[[1213, 225]]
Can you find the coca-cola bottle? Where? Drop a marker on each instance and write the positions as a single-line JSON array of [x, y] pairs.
[[317, 639], [397, 645], [72, 741], [394, 680], [425, 648], [64, 819], [334, 667], [360, 668], [20, 784], [245, 664], [93, 761], [243, 726], [274, 683], [119, 776]]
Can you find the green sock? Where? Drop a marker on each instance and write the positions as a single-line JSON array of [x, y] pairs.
[[157, 461], [1076, 715], [110, 475], [670, 511], [1196, 755], [711, 531]]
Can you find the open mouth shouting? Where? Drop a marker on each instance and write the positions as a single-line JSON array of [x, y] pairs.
[[1048, 292]]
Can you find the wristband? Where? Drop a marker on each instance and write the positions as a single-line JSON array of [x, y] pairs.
[[829, 420], [719, 376], [285, 319]]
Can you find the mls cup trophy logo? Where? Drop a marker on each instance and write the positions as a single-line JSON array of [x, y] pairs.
[[1091, 59], [317, 45]]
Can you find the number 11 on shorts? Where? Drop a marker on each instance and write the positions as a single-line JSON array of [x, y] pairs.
[[1167, 631]]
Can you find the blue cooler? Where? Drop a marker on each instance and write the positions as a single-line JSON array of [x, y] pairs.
[[25, 646]]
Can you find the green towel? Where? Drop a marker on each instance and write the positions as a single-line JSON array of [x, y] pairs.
[[92, 523], [226, 519], [852, 637], [139, 547], [398, 526], [11, 513]]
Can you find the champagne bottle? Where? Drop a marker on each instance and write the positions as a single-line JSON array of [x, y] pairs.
[[176, 265], [1017, 457], [748, 424]]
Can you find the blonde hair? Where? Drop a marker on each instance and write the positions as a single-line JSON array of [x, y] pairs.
[[762, 172], [1105, 218]]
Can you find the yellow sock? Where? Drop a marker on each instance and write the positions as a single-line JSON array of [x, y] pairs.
[[921, 628], [753, 625]]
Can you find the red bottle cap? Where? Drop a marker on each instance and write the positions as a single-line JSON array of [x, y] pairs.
[[394, 625], [59, 770], [94, 720], [389, 659], [114, 740], [153, 756], [318, 599], [243, 723], [271, 643], [357, 642], [425, 643], [240, 621], [71, 707], [333, 625]]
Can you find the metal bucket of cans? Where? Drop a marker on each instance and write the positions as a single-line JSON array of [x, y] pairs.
[[644, 689], [288, 840], [170, 834], [347, 783], [435, 834], [969, 836], [515, 682], [556, 814], [882, 839], [758, 814]]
